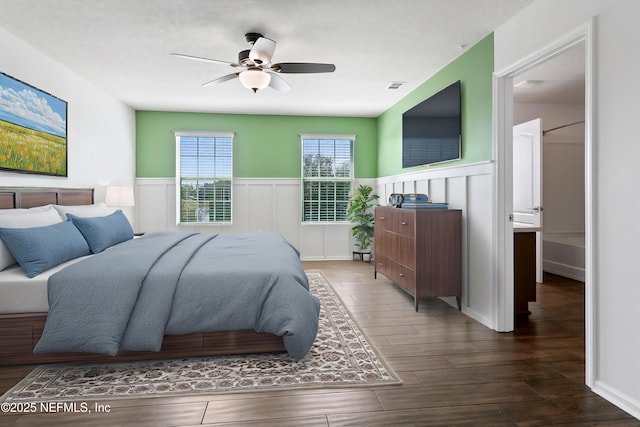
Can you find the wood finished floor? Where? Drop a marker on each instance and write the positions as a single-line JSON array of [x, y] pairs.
[[456, 372]]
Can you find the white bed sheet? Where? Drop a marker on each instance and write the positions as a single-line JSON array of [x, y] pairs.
[[20, 294]]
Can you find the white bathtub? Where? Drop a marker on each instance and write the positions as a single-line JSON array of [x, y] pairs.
[[563, 254]]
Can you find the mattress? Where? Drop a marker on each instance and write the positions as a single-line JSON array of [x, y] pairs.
[[19, 294]]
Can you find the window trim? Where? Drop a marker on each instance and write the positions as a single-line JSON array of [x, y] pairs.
[[303, 136], [351, 137], [205, 134]]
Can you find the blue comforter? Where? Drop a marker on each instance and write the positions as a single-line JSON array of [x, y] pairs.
[[131, 295]]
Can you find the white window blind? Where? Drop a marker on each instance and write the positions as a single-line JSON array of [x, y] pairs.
[[327, 175], [204, 173]]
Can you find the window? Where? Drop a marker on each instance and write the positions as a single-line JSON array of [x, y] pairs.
[[327, 173], [204, 174]]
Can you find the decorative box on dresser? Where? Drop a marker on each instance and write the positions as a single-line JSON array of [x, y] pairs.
[[420, 250]]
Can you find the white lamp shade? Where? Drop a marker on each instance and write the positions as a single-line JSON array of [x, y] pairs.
[[118, 196], [254, 79]]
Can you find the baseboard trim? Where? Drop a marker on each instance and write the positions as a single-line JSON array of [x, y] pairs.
[[619, 399], [564, 270], [333, 258]]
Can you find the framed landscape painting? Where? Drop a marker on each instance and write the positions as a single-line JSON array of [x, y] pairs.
[[33, 129]]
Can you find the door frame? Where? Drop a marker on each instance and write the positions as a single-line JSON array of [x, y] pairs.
[[503, 185]]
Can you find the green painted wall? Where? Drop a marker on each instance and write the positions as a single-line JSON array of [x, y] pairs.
[[474, 69], [264, 146]]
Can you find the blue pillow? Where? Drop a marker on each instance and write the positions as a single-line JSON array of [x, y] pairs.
[[39, 248], [103, 231]]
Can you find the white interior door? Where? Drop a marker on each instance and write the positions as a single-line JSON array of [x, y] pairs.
[[527, 181]]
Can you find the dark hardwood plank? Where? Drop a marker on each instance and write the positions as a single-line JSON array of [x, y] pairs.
[[517, 372], [476, 415], [319, 421], [587, 411], [458, 395], [140, 416], [236, 410]]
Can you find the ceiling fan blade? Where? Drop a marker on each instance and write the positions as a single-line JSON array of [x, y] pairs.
[[303, 67], [278, 83], [262, 51], [222, 79], [198, 58]]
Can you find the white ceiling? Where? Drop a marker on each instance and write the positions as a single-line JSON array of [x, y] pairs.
[[560, 80], [124, 47]]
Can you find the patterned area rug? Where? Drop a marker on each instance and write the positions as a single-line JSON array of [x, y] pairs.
[[342, 356]]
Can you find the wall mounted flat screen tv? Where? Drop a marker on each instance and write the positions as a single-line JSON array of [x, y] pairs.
[[432, 130]]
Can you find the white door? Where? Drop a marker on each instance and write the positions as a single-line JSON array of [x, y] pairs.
[[527, 181]]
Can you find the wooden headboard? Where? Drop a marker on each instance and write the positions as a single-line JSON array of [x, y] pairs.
[[26, 197]]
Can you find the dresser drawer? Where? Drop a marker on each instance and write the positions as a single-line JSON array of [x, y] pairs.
[[406, 278], [402, 250], [383, 220], [404, 222], [406, 251], [382, 264], [399, 274]]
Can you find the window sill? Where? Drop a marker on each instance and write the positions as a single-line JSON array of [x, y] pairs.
[[204, 224], [327, 223]]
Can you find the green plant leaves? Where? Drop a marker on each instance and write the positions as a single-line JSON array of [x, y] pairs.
[[360, 211]]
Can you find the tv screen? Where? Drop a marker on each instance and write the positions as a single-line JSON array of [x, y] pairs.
[[432, 130]]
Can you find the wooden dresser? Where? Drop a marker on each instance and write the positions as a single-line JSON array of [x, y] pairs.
[[420, 250]]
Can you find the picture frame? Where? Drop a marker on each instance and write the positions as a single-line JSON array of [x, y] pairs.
[[33, 129]]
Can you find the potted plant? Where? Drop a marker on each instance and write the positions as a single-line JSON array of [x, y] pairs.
[[360, 212]]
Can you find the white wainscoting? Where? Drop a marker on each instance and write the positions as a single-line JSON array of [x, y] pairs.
[[273, 204], [259, 204], [470, 188]]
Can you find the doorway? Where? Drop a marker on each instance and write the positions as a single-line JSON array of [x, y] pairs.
[[549, 104], [503, 121]]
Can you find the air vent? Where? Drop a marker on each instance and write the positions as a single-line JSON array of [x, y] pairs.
[[528, 83], [395, 85]]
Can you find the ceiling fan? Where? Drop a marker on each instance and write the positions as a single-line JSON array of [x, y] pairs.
[[255, 70]]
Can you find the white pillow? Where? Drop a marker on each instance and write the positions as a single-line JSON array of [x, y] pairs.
[[84, 211], [24, 218]]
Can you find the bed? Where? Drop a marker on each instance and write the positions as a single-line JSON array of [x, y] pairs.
[[30, 308]]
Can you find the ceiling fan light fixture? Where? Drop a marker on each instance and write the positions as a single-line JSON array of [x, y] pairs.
[[254, 79], [255, 70]]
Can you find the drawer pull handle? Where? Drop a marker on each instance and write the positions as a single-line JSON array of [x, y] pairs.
[[380, 263], [404, 223], [401, 274], [381, 218]]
